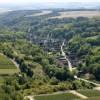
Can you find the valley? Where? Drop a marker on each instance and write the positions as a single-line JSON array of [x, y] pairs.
[[50, 55]]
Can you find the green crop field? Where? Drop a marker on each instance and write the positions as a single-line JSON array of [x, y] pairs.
[[62, 96], [90, 93], [6, 63], [7, 66]]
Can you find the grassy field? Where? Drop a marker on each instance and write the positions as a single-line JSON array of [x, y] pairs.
[[63, 96], [90, 93], [74, 14], [7, 66]]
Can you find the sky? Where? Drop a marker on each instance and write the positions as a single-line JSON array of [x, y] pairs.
[[42, 1], [28, 4]]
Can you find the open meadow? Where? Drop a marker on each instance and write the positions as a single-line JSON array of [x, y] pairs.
[[62, 96], [75, 14], [91, 94]]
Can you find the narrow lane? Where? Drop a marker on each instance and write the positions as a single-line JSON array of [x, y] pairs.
[[29, 97], [64, 55], [71, 69], [78, 94], [75, 76], [98, 85]]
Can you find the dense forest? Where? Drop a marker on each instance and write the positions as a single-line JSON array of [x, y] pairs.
[[33, 42]]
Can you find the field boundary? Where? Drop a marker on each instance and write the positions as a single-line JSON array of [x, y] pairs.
[[81, 96]]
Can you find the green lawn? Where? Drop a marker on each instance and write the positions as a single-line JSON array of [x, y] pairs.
[[90, 93], [62, 96]]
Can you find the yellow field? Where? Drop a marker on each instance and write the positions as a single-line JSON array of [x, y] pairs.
[[75, 14]]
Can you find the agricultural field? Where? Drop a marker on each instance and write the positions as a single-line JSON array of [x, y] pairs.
[[62, 96], [75, 14], [93, 98], [91, 94], [1, 80], [7, 66]]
